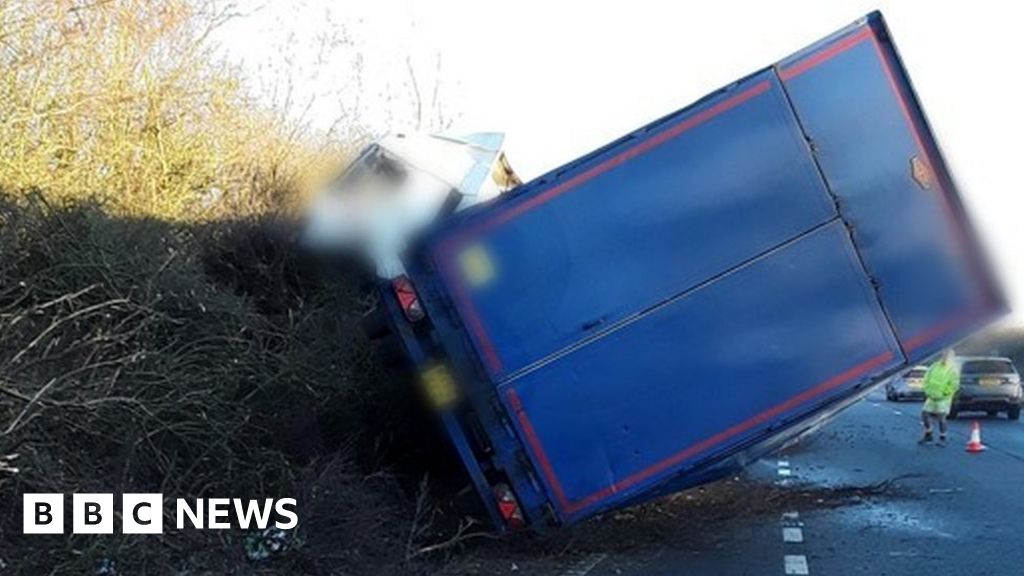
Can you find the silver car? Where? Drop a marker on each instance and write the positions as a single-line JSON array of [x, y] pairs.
[[906, 386], [988, 384]]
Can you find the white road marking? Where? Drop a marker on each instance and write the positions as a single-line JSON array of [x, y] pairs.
[[792, 535], [791, 519], [783, 463], [897, 412], [792, 532], [796, 564], [585, 565]]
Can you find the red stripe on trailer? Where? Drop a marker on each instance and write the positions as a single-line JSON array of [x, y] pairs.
[[476, 327], [826, 53], [538, 449], [930, 334], [626, 155]]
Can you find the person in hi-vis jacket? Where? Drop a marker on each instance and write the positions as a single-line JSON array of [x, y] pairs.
[[941, 382]]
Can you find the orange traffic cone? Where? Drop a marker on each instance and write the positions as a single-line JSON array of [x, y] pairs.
[[974, 445]]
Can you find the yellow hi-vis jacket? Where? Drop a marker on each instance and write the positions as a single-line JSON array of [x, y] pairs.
[[941, 381]]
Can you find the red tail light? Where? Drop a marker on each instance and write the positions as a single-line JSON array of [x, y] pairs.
[[407, 299], [508, 506]]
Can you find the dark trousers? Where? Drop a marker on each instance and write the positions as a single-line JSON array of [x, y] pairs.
[[926, 419]]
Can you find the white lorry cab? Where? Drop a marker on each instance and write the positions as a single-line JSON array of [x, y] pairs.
[[399, 185]]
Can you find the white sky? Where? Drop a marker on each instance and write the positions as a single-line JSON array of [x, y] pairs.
[[561, 78]]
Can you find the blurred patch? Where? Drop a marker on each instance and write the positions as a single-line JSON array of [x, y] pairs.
[[477, 267]]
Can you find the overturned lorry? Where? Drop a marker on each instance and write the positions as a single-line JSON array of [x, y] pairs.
[[679, 303]]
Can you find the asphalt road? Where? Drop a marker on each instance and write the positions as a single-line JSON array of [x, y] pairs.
[[942, 510]]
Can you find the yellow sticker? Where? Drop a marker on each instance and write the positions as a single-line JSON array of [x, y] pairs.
[[439, 386], [476, 265]]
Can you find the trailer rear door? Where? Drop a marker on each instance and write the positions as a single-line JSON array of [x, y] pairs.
[[878, 157]]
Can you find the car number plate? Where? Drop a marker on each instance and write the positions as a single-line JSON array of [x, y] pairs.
[[991, 381]]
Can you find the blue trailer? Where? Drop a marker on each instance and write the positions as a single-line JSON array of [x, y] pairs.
[[673, 306]]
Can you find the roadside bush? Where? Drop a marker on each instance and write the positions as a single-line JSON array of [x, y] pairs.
[[159, 329], [206, 360], [127, 101]]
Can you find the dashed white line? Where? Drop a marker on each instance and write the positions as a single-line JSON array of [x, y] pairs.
[[792, 531], [796, 564], [897, 412]]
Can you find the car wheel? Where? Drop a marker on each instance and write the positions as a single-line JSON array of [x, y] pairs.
[[1013, 413], [992, 413], [890, 396], [952, 414]]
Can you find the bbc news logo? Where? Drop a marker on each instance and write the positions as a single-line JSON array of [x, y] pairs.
[[144, 513]]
